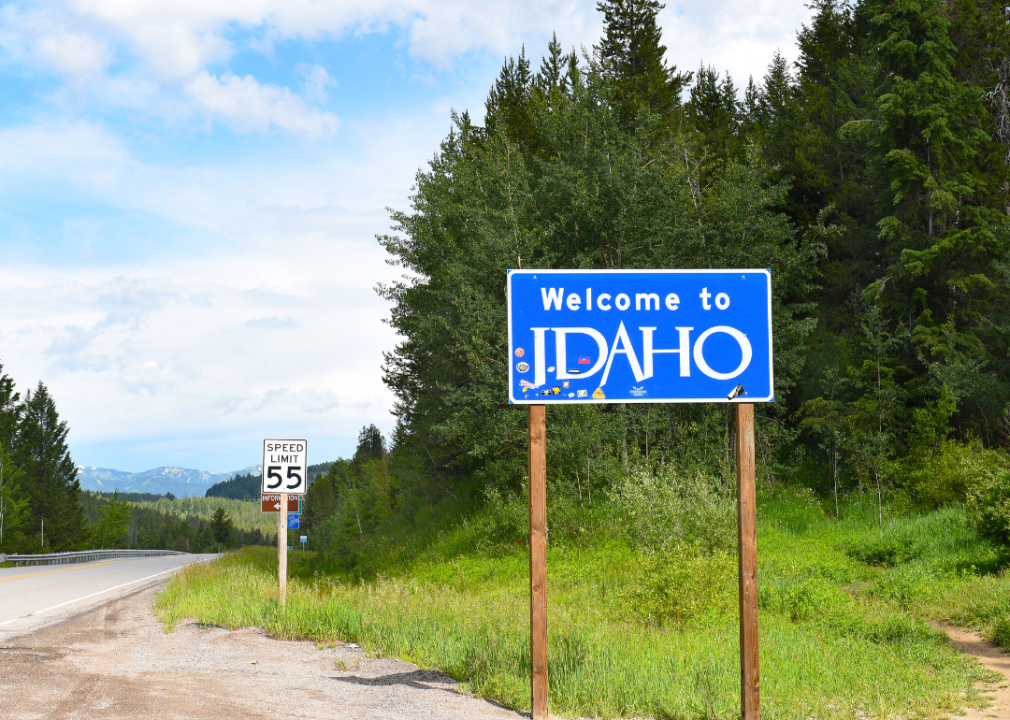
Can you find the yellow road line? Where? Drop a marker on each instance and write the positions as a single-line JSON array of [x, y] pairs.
[[50, 572]]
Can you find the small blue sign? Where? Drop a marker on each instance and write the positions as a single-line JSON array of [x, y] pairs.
[[602, 336], [293, 521]]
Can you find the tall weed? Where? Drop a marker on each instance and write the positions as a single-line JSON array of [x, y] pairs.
[[661, 508]]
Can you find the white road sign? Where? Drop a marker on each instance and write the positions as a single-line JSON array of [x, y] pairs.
[[285, 467]]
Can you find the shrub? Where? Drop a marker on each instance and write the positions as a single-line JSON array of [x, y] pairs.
[[1001, 633], [988, 493], [946, 475], [661, 509], [681, 584], [507, 518]]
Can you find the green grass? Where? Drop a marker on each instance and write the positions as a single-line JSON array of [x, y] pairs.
[[843, 624]]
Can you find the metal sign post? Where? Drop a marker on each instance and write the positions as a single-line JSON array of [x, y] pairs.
[[660, 336], [285, 472]]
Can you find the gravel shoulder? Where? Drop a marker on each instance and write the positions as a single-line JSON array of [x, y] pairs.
[[116, 662]]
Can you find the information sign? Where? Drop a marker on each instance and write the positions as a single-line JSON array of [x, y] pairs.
[[285, 468], [601, 336], [293, 521], [304, 539], [272, 503]]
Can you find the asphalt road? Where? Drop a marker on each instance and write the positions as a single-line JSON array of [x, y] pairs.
[[32, 597]]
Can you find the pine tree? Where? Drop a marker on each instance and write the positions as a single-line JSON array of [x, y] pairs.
[[714, 113], [553, 78], [777, 113], [507, 106], [371, 444], [223, 528], [633, 52], [9, 407], [50, 476], [942, 232], [750, 110], [13, 504], [828, 167]]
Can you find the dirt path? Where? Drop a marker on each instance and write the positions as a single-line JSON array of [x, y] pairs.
[[116, 663], [992, 657]]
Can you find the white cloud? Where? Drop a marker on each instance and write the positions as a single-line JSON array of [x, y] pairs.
[[317, 80], [318, 402], [247, 106], [186, 35], [739, 36], [186, 356], [72, 54], [178, 41], [193, 367], [273, 323]]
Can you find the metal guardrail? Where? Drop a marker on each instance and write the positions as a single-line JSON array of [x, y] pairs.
[[82, 556]]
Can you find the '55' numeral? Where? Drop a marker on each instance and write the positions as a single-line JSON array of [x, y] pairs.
[[273, 471]]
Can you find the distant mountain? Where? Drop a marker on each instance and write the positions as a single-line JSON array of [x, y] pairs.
[[178, 481]]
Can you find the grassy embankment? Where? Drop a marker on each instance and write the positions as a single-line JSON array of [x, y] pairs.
[[843, 616]]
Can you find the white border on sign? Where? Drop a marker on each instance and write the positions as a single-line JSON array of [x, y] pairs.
[[304, 465], [543, 400]]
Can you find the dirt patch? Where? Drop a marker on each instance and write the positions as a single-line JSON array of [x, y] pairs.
[[115, 663], [993, 658]]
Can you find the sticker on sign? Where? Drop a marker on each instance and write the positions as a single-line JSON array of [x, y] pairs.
[[285, 467]]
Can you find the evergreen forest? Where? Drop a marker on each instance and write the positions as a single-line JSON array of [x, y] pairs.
[[871, 175]]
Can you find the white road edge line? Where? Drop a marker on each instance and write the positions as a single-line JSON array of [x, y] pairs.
[[100, 592]]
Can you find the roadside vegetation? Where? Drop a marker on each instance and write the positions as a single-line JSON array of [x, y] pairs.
[[639, 630]]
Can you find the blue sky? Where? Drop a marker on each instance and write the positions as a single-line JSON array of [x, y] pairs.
[[190, 192]]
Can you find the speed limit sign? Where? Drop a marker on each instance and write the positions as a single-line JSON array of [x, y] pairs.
[[285, 468]]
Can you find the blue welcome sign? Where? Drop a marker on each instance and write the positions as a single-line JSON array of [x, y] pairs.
[[601, 336]]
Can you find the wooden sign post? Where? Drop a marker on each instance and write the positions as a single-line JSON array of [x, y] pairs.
[[282, 549], [747, 528], [538, 560], [683, 336], [285, 472]]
